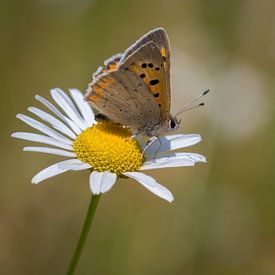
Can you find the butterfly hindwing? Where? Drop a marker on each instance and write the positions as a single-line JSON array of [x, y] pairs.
[[148, 64], [123, 97], [110, 64]]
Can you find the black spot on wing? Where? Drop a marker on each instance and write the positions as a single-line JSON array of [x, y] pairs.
[[156, 94], [154, 82]]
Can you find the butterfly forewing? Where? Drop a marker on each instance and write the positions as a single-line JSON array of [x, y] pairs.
[[148, 64], [160, 37], [123, 97]]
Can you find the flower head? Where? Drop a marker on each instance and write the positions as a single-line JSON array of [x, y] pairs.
[[106, 148]]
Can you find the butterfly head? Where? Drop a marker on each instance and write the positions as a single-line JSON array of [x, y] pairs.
[[174, 123], [169, 125]]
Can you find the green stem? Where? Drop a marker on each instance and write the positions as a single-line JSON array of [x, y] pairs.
[[83, 236]]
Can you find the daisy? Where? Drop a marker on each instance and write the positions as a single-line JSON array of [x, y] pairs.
[[106, 149]]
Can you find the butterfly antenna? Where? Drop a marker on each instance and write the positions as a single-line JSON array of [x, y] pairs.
[[186, 107], [192, 107]]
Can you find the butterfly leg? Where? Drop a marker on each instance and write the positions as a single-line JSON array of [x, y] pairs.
[[136, 134], [150, 143], [156, 152]]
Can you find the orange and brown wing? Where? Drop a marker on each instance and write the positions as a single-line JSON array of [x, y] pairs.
[[110, 64], [160, 38], [148, 64], [124, 98]]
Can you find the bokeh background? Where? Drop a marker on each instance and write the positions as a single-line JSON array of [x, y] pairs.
[[222, 221]]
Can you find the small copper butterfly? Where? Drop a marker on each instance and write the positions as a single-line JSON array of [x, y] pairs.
[[133, 88]]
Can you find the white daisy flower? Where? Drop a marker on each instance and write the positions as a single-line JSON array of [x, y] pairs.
[[105, 148]]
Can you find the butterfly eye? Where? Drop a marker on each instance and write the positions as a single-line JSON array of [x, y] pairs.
[[174, 123]]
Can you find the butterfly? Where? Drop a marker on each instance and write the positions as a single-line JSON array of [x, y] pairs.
[[133, 88]]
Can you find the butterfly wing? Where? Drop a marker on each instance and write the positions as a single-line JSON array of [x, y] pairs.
[[123, 97], [110, 64], [148, 64], [160, 37]]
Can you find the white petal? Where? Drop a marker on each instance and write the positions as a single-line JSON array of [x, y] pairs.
[[108, 184], [101, 182], [73, 126], [173, 160], [68, 100], [41, 139], [74, 165], [55, 169], [51, 107], [66, 104], [57, 124], [52, 151], [43, 128], [152, 185], [173, 142], [83, 107]]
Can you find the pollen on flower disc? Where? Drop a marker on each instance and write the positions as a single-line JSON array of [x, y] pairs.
[[109, 147]]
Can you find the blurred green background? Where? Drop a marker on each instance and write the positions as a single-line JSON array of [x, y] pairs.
[[222, 220]]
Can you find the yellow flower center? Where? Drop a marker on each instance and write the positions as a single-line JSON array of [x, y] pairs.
[[108, 147]]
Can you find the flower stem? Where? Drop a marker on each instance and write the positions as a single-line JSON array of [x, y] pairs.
[[83, 236]]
